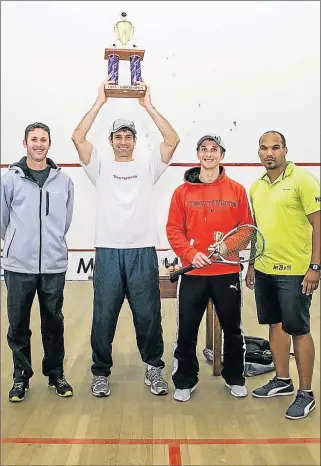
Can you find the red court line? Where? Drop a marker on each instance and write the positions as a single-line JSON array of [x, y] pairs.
[[243, 164], [174, 453], [191, 164], [160, 441], [90, 250], [93, 250], [81, 250]]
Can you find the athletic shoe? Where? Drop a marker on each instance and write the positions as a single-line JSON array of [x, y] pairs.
[[303, 404], [154, 379], [183, 394], [61, 385], [240, 391], [274, 387], [100, 386], [18, 390]]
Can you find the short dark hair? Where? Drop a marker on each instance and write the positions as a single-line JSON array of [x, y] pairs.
[[123, 131], [275, 132], [34, 126]]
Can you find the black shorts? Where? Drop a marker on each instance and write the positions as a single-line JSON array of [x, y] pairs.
[[279, 299]]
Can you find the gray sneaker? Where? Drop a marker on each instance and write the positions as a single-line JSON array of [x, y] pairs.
[[154, 379], [240, 391], [100, 386], [274, 387], [303, 404]]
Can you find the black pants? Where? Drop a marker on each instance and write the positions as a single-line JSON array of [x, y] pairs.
[[22, 288], [132, 273], [193, 294]]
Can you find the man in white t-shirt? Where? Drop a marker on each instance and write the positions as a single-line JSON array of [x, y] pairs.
[[126, 233]]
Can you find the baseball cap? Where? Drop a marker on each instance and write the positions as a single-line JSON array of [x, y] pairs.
[[212, 137], [121, 123]]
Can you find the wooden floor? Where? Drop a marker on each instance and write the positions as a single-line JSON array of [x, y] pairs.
[[132, 426]]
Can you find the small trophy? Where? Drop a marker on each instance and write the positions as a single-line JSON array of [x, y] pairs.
[[124, 31]]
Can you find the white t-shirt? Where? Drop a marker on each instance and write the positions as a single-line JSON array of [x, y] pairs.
[[125, 215]]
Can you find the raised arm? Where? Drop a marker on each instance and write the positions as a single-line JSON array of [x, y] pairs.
[[170, 136], [83, 146]]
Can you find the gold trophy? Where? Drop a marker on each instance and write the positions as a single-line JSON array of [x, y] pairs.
[[124, 31]]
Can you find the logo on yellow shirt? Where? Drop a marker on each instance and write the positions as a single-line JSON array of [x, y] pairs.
[[282, 267]]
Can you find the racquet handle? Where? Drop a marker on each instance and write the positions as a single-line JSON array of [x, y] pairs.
[[174, 275]]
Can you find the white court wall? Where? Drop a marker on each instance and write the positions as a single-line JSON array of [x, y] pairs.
[[209, 64]]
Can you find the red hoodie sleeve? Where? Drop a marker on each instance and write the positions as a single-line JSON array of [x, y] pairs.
[[175, 228], [245, 215]]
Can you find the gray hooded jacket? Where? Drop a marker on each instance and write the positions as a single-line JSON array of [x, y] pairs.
[[34, 220]]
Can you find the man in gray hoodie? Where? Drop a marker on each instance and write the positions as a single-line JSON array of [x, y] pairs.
[[36, 212]]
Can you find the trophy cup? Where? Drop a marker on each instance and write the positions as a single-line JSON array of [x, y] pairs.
[[124, 31]]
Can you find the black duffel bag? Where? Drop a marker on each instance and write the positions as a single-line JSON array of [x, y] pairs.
[[258, 356]]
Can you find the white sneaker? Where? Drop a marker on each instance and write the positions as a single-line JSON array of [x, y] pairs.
[[184, 394], [237, 390]]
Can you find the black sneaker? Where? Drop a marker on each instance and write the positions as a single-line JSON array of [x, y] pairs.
[[61, 385], [274, 387], [303, 404], [18, 390]]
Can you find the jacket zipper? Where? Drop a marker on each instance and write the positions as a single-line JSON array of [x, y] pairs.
[[10, 243], [40, 243], [47, 203]]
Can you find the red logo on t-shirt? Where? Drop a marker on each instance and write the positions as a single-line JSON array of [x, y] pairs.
[[125, 177]]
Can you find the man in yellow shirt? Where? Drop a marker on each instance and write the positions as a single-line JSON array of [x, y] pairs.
[[286, 207]]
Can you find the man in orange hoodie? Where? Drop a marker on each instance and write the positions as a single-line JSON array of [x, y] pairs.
[[207, 203]]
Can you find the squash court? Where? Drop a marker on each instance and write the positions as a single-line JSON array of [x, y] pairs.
[[132, 426]]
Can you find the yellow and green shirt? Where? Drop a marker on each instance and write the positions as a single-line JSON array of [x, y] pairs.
[[280, 211]]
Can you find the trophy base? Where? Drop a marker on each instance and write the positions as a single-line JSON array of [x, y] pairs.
[[121, 91], [124, 54]]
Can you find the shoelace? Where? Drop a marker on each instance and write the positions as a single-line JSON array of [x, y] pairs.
[[272, 383], [98, 379], [155, 374], [62, 382], [299, 400], [18, 385]]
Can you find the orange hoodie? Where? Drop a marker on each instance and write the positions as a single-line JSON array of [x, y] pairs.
[[198, 210]]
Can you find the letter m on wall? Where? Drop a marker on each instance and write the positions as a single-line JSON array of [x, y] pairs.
[[83, 267]]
